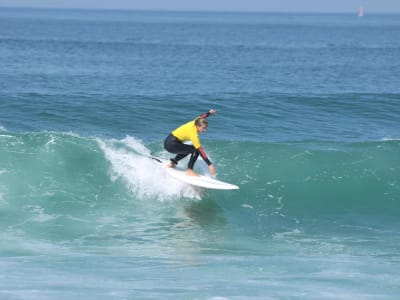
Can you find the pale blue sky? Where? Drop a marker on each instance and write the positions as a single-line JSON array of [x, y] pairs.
[[370, 6]]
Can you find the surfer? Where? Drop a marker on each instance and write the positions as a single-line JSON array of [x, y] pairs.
[[189, 132]]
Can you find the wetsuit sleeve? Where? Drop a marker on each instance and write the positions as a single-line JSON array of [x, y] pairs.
[[205, 115], [204, 156], [201, 150]]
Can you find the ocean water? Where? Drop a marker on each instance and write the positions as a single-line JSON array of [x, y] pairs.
[[307, 125]]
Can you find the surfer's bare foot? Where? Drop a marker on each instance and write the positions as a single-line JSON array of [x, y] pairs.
[[191, 173], [171, 165]]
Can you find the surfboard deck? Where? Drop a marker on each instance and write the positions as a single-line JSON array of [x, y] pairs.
[[200, 181]]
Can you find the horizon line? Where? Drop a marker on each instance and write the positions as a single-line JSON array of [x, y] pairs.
[[193, 10]]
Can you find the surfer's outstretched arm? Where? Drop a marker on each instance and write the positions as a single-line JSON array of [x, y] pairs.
[[211, 112]]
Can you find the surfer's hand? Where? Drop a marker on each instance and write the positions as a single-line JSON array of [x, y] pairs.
[[212, 169], [212, 111]]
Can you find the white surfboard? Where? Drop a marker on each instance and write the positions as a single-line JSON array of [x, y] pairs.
[[200, 181]]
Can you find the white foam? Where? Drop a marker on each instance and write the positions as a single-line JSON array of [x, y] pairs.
[[388, 139], [136, 145], [51, 141], [143, 176], [247, 206]]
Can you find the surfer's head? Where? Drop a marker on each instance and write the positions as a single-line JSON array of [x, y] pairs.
[[201, 125]]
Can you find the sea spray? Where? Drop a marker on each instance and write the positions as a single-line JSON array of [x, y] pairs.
[[131, 160]]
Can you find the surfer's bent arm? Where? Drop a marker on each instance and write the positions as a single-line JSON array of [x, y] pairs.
[[204, 156], [208, 162]]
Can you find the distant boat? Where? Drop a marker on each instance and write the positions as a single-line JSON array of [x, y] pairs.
[[361, 11]]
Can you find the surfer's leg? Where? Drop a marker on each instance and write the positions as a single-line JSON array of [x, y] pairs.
[[182, 151], [173, 145], [191, 163], [178, 157], [193, 159]]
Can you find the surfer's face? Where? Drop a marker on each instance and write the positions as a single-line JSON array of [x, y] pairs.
[[202, 128]]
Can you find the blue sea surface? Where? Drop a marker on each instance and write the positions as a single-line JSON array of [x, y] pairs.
[[307, 125]]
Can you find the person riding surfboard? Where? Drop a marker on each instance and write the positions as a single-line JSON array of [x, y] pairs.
[[174, 143]]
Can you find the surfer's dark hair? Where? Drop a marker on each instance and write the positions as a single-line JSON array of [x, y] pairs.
[[200, 122]]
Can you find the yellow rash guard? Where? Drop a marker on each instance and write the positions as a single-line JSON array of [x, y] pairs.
[[188, 132]]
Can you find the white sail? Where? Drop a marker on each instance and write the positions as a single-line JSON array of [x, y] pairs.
[[361, 11]]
